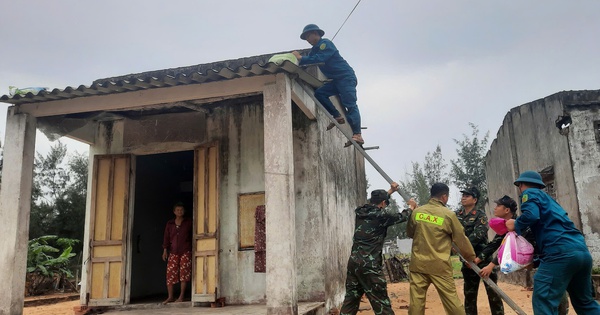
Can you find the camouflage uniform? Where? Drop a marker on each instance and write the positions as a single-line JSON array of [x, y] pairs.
[[365, 273], [475, 223]]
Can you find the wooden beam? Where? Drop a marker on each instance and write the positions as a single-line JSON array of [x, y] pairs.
[[141, 98], [301, 97]]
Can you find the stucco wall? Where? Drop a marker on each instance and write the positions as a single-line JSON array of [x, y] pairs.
[[329, 182], [239, 130], [585, 156], [530, 140]]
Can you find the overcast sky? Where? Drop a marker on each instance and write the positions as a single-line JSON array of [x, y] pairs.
[[425, 68]]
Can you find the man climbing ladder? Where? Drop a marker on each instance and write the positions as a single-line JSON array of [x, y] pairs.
[[343, 79]]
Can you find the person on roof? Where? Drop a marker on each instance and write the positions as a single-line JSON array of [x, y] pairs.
[[343, 79]]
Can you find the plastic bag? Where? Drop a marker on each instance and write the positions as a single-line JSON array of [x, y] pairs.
[[280, 58], [498, 225], [13, 90], [514, 253]]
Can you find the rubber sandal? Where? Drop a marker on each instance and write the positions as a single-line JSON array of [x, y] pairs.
[[340, 120]]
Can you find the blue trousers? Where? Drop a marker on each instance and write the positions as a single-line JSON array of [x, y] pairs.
[[346, 89], [567, 270]]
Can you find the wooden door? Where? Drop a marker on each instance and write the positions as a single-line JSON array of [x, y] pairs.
[[108, 230], [205, 277]]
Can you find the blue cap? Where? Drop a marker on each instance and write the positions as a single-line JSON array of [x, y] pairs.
[[309, 28], [531, 177]]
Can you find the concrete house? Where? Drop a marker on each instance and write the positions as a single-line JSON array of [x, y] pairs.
[[558, 136], [224, 138]]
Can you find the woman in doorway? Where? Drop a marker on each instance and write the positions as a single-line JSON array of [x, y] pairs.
[[177, 249]]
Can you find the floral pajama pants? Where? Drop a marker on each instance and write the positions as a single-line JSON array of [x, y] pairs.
[[179, 268]]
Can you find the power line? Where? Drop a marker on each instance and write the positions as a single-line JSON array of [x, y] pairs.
[[346, 19]]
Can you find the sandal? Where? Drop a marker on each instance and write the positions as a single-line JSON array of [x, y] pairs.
[[340, 120], [357, 138]]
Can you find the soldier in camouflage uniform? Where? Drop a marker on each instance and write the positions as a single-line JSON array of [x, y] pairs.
[[365, 273], [475, 223]]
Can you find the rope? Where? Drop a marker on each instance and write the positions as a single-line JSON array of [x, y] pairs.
[[346, 20]]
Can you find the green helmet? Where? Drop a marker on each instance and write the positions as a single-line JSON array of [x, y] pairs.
[[379, 195], [531, 177], [309, 28]]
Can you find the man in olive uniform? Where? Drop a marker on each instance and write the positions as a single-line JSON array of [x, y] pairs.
[[433, 228], [476, 227], [365, 272]]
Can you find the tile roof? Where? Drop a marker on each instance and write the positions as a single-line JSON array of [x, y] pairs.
[[216, 71]]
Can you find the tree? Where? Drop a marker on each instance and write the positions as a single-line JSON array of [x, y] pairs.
[[58, 194], [396, 230], [420, 180], [469, 168]]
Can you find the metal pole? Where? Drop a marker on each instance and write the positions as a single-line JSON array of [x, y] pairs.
[[348, 135], [406, 197], [491, 283]]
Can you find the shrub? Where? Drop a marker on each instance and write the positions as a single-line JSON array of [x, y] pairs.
[[48, 265]]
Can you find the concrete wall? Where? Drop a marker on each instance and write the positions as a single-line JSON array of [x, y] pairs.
[[584, 146], [329, 180], [239, 130], [330, 184], [530, 140]]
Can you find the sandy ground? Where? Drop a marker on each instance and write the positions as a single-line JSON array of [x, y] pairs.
[[398, 293]]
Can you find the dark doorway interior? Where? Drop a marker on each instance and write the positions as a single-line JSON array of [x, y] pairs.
[[161, 180]]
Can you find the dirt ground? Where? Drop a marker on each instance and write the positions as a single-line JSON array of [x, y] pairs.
[[398, 293]]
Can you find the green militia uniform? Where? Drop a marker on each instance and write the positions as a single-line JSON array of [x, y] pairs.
[[475, 223], [365, 273]]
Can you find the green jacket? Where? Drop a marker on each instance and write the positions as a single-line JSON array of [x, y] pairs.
[[433, 228], [475, 223], [369, 233]]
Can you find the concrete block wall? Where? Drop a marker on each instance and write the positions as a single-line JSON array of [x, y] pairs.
[[530, 140]]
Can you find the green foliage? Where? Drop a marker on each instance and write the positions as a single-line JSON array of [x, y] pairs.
[[47, 263], [396, 230], [420, 179], [596, 270], [59, 194], [469, 168]]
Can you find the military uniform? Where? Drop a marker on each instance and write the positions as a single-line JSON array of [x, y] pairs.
[[343, 83], [433, 228], [475, 223], [365, 272]]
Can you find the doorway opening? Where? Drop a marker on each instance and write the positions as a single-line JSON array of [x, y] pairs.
[[161, 181]]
